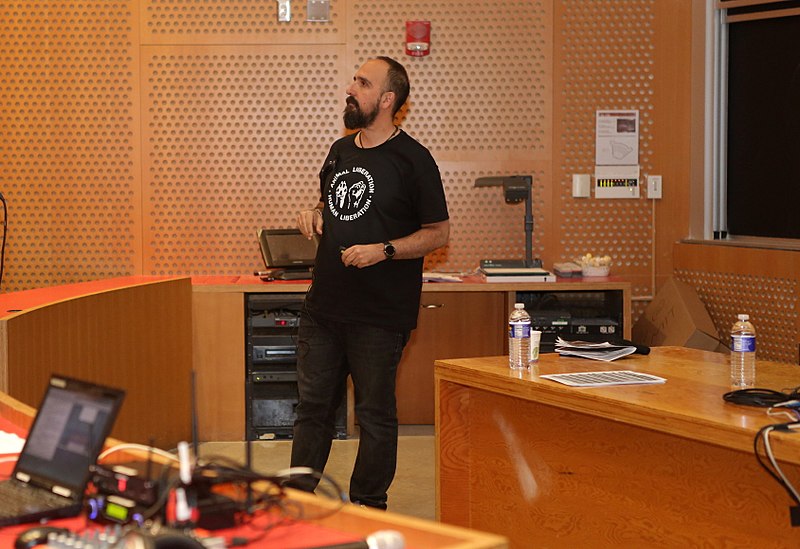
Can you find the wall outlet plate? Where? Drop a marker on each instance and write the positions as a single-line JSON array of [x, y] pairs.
[[654, 186], [319, 11], [284, 10]]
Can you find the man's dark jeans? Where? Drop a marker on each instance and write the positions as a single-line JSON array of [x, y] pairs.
[[327, 351]]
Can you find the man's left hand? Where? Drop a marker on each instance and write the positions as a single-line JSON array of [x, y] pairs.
[[363, 255]]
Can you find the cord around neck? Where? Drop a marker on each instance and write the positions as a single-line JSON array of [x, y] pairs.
[[361, 139]]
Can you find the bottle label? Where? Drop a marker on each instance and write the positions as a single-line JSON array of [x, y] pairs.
[[743, 343], [517, 330]]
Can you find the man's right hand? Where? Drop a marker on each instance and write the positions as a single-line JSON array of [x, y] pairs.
[[310, 222]]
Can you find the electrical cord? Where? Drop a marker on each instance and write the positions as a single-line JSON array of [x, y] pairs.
[[133, 446], [785, 481], [327, 487], [270, 496], [233, 472], [5, 233], [772, 467], [761, 397], [264, 493]]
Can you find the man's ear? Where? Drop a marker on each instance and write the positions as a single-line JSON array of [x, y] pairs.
[[387, 100]]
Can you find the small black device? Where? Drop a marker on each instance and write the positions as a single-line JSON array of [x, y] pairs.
[[128, 480], [388, 250], [287, 254]]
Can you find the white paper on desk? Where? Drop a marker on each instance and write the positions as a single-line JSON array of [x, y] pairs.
[[440, 277], [600, 379], [10, 443], [604, 351]]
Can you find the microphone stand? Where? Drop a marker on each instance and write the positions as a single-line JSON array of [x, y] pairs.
[[529, 225], [5, 233]]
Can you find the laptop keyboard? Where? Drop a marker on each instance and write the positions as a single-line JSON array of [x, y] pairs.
[[16, 497]]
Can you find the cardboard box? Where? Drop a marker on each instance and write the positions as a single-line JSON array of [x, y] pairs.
[[677, 317]]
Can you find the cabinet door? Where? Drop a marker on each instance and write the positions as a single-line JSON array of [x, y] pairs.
[[450, 325]]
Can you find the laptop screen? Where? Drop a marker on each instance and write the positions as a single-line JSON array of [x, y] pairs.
[[69, 430], [287, 248]]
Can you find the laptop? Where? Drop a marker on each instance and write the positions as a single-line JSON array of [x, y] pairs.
[[52, 471], [287, 254]]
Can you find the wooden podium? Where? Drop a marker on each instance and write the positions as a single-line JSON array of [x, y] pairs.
[[134, 333], [668, 465]]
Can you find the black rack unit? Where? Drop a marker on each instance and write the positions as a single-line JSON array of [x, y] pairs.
[[575, 315], [271, 376]]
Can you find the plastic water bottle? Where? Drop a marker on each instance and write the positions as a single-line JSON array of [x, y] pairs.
[[743, 353], [519, 338]]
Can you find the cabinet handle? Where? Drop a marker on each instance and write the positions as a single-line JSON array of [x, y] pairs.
[[431, 305]]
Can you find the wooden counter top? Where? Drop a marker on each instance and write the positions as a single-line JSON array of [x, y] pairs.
[[17, 302], [689, 404], [473, 283]]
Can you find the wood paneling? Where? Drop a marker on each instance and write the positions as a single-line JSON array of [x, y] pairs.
[[219, 350], [667, 465], [135, 337], [156, 137], [763, 283], [451, 325], [69, 141], [630, 56]]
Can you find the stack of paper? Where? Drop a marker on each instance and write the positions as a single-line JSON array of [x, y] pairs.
[[440, 277], [596, 351]]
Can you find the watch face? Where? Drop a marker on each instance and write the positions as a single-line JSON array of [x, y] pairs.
[[388, 249]]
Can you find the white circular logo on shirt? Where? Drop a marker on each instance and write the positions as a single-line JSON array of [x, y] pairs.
[[350, 193]]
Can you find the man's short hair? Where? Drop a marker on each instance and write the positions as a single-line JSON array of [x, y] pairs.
[[397, 82]]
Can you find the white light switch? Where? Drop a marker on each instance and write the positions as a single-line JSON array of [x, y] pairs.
[[581, 185]]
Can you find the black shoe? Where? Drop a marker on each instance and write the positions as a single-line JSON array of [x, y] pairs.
[[379, 506]]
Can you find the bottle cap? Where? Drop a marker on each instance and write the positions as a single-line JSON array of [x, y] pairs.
[[519, 305], [743, 317]]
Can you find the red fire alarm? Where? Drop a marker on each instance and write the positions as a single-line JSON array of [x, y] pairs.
[[418, 38]]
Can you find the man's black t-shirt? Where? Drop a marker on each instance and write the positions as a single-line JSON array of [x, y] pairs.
[[372, 196]]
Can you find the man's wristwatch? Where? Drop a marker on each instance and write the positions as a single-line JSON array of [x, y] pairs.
[[388, 250]]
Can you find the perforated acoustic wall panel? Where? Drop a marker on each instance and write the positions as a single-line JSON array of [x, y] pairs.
[[69, 141], [480, 102], [762, 283], [155, 136], [774, 308], [234, 138], [237, 22], [604, 52]]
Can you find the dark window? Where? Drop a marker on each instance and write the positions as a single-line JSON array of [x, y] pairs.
[[763, 156]]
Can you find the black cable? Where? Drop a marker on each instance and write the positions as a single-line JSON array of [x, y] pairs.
[[761, 435], [760, 397], [5, 232]]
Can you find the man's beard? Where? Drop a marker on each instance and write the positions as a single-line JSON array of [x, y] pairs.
[[355, 118]]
